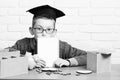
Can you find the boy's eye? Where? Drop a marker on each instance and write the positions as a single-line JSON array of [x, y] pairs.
[[38, 28], [49, 29]]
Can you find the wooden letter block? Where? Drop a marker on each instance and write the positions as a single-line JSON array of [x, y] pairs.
[[11, 64], [99, 62]]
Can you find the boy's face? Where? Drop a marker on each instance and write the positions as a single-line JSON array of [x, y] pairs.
[[44, 27]]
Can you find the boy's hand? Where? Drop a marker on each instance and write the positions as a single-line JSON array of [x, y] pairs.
[[61, 62], [39, 62], [31, 62]]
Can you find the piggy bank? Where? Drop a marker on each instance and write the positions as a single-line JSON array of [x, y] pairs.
[[99, 62], [12, 64]]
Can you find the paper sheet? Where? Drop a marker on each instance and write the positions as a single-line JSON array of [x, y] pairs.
[[48, 50]]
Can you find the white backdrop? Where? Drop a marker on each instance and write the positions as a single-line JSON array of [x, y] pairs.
[[88, 24]]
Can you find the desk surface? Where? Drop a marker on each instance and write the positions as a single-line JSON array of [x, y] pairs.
[[113, 75]]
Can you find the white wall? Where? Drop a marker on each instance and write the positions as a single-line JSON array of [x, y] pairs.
[[88, 24]]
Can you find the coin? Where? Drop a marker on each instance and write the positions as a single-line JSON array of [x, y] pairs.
[[39, 71], [77, 74], [48, 73]]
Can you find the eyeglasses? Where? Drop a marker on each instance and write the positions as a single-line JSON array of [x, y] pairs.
[[48, 30]]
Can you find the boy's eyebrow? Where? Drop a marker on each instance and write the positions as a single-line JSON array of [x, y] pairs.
[[39, 25], [47, 26], [50, 26]]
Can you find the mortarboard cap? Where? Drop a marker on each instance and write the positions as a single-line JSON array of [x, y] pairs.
[[46, 11]]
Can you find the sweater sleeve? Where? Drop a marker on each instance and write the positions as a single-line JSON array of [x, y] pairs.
[[19, 45], [76, 56]]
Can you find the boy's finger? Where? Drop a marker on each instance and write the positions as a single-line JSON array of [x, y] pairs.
[[39, 60], [40, 64], [42, 60], [60, 65]]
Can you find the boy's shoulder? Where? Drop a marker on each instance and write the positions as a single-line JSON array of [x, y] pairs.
[[63, 44], [25, 40]]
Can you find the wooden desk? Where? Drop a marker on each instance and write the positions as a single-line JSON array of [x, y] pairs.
[[113, 75]]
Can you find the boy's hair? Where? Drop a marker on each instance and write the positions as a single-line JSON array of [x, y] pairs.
[[41, 16]]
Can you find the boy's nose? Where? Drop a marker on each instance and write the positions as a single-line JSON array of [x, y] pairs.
[[43, 34]]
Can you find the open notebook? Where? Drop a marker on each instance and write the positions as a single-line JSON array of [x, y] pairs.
[[48, 50]]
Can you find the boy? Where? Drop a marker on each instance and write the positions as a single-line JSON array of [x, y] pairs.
[[43, 25]]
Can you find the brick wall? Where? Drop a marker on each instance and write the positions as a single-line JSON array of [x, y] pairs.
[[88, 24]]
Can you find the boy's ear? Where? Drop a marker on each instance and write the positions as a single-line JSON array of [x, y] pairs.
[[31, 31]]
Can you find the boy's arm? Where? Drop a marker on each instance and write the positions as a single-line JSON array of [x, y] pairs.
[[74, 55], [78, 60], [18, 46], [8, 49]]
